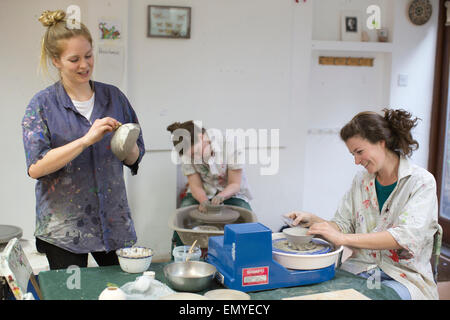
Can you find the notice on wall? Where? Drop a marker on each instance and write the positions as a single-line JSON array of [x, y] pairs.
[[110, 64]]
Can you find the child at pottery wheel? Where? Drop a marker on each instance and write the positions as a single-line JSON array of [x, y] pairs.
[[212, 168], [389, 216], [81, 201]]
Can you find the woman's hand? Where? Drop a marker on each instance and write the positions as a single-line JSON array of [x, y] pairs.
[[98, 130], [217, 200], [202, 206], [329, 232], [305, 219]]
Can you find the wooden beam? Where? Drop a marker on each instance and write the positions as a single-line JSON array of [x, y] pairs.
[[346, 61]]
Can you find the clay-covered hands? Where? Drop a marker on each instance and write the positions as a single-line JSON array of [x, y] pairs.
[[98, 130], [328, 232], [304, 219], [217, 200], [202, 206]]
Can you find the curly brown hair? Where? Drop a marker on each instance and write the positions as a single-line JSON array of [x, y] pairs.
[[394, 128]]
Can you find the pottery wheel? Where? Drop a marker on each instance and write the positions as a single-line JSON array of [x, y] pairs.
[[8, 232], [226, 215], [206, 228], [312, 247]]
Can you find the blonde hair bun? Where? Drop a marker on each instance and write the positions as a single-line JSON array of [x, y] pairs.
[[50, 18]]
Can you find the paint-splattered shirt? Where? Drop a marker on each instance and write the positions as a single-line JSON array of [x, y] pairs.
[[82, 207], [409, 215], [214, 174]]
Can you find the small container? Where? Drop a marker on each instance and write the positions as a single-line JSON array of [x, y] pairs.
[[112, 293], [135, 259], [180, 253]]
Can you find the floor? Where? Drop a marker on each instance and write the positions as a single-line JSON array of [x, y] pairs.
[[39, 263]]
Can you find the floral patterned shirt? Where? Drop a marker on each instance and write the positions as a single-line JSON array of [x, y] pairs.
[[214, 174], [82, 207], [409, 215]]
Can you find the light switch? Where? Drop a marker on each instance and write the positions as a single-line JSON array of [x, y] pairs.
[[402, 80]]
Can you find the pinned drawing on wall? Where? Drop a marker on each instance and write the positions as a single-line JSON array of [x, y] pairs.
[[110, 29], [110, 52], [169, 22], [350, 26]]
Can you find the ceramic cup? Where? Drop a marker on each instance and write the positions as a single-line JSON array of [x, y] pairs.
[[297, 236]]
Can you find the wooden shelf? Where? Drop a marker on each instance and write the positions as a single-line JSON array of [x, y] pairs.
[[382, 47]]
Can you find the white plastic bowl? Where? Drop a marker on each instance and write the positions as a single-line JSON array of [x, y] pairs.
[[305, 262], [135, 259]]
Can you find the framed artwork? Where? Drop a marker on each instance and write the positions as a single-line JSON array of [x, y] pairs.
[[350, 26], [169, 22]]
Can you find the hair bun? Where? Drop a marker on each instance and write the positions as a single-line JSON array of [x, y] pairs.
[[50, 18]]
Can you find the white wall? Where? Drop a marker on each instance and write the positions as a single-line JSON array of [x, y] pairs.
[[337, 93], [244, 67], [414, 55], [249, 58]]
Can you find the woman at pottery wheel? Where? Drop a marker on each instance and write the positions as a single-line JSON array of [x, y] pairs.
[[81, 202], [214, 173], [389, 216]]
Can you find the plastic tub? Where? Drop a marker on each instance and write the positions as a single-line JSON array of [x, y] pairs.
[[180, 253]]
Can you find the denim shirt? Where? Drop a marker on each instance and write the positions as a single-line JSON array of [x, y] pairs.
[[82, 207]]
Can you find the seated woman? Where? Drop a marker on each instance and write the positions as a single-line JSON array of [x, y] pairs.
[[389, 216], [215, 174]]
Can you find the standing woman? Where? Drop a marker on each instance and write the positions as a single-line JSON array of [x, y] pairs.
[[389, 216], [81, 201]]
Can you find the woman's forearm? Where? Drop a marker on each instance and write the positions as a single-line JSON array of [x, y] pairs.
[[376, 241], [230, 190], [199, 194], [57, 158]]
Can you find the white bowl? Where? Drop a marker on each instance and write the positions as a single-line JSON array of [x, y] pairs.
[[184, 296], [226, 294], [112, 293], [307, 261], [135, 259], [297, 236]]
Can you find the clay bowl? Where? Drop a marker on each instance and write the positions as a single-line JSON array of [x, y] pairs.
[[214, 209], [122, 142], [297, 236]]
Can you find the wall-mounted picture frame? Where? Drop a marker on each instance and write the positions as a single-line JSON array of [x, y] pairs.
[[350, 26], [169, 22]]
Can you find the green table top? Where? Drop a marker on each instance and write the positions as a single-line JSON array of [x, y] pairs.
[[63, 285]]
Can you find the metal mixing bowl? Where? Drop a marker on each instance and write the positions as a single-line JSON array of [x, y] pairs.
[[191, 276]]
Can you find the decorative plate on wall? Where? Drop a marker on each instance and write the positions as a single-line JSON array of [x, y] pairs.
[[420, 11]]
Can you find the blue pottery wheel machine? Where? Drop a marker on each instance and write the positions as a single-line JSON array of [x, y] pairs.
[[244, 261]]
